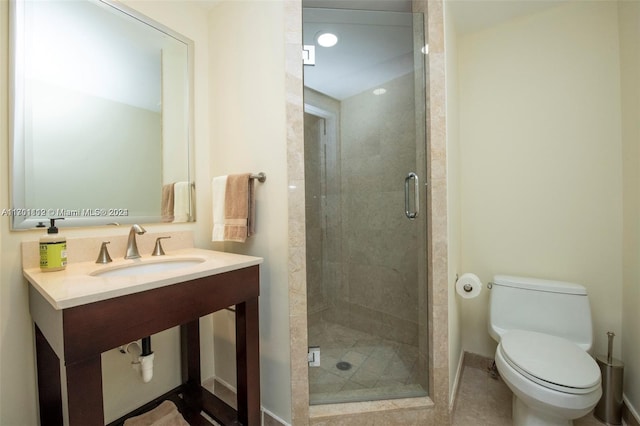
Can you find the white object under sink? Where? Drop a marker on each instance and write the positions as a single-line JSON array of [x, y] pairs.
[[148, 267]]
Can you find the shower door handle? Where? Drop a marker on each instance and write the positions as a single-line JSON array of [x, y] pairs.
[[411, 214]]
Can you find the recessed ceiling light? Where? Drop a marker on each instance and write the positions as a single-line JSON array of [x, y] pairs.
[[379, 91], [425, 49], [327, 39]]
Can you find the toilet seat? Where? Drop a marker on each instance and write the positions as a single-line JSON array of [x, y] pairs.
[[550, 361]]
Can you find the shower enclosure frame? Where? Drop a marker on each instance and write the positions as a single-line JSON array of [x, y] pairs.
[[433, 409]]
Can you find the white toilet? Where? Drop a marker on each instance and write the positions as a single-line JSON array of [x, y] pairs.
[[543, 329]]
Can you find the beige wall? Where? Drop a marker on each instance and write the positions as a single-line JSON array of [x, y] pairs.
[[548, 120], [541, 165], [248, 134], [566, 138], [629, 15], [453, 199], [18, 403]]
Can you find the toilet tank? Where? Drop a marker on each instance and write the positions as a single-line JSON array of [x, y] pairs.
[[552, 307]]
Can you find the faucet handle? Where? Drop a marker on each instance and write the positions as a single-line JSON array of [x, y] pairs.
[[157, 251], [103, 256]]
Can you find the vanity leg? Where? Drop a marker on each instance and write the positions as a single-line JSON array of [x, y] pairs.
[[190, 347], [84, 392], [248, 362], [49, 383]]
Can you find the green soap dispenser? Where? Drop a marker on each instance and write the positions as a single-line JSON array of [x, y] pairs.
[[53, 249]]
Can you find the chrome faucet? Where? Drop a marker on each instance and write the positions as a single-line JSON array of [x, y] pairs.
[[132, 246]]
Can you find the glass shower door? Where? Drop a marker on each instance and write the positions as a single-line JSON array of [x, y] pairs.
[[365, 206]]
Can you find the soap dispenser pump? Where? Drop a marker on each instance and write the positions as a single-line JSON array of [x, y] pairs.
[[53, 249]]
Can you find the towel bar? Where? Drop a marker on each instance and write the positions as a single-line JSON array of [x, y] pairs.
[[260, 176]]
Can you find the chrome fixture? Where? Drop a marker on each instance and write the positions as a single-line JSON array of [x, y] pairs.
[[412, 214], [132, 246], [157, 251], [261, 177], [103, 256]]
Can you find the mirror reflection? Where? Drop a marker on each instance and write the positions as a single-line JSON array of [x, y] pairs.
[[101, 116]]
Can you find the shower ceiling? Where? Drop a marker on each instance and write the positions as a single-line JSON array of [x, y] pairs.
[[372, 48]]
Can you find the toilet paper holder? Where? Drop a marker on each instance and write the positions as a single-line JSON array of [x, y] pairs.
[[468, 286]]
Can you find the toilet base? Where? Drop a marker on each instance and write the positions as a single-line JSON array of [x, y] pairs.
[[523, 415]]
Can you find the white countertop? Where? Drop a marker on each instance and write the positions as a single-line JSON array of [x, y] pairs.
[[74, 286]]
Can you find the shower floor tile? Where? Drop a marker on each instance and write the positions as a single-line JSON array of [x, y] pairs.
[[377, 368]]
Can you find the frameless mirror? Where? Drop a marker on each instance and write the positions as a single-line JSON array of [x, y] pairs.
[[101, 116]]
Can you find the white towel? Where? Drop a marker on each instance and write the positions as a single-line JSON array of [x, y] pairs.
[[219, 189], [181, 201]]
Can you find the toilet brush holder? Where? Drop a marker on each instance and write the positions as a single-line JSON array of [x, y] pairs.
[[609, 408]]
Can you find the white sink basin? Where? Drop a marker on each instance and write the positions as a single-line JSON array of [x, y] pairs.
[[148, 267], [86, 282]]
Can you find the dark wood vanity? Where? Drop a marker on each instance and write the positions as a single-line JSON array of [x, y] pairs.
[[81, 333]]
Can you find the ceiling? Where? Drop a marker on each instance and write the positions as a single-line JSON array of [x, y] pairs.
[[374, 46]]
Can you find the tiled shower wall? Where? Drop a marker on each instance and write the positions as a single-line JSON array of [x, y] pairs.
[[362, 252], [314, 213], [379, 289], [322, 203]]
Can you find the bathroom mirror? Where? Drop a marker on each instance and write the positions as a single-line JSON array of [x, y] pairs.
[[101, 116]]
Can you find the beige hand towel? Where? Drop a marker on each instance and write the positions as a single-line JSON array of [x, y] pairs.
[[167, 203], [165, 414], [239, 216]]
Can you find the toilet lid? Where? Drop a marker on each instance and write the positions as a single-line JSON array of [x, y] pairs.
[[551, 361]]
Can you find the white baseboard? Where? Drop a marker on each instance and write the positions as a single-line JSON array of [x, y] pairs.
[[234, 390], [224, 383], [273, 416], [632, 410], [456, 382]]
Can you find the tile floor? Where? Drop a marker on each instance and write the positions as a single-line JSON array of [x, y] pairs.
[[485, 401], [387, 366], [481, 401], [356, 366]]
